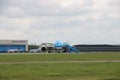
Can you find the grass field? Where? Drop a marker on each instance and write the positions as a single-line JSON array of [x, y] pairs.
[[92, 56], [60, 71]]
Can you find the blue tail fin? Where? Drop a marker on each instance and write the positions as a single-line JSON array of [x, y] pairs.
[[72, 49]]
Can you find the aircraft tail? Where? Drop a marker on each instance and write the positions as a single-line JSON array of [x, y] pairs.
[[72, 49]]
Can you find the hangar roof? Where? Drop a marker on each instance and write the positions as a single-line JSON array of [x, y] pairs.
[[13, 42]]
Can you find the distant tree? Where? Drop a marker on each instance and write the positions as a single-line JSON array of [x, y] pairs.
[[33, 46]]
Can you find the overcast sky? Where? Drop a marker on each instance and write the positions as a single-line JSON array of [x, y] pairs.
[[73, 21]]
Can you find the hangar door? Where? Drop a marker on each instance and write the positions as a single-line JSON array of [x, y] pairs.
[[5, 48]]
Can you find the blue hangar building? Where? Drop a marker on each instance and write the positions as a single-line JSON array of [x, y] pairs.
[[6, 45]]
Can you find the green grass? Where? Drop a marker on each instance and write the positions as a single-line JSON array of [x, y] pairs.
[[93, 56], [60, 71]]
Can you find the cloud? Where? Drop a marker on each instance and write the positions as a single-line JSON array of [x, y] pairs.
[[74, 21]]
